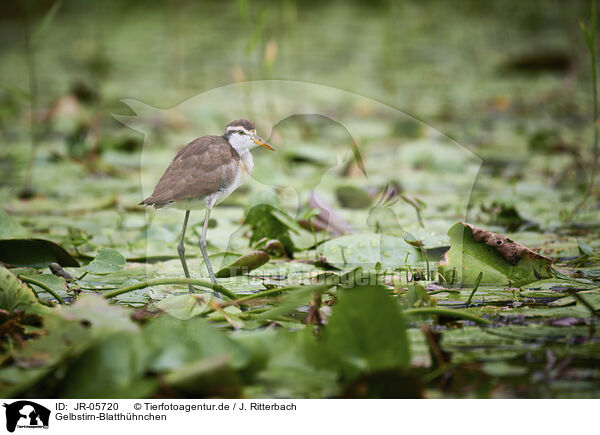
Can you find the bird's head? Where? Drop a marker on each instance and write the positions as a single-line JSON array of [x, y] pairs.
[[241, 134]]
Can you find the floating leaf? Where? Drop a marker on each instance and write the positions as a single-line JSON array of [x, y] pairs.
[[55, 283], [367, 332], [108, 260], [369, 248], [502, 261], [183, 306], [34, 253]]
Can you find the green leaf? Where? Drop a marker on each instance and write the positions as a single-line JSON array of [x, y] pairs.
[[585, 249], [14, 295], [502, 261], [103, 316], [34, 253], [108, 260], [369, 248], [55, 283], [209, 377], [266, 222], [176, 343], [114, 367], [287, 220], [367, 332], [183, 306], [244, 264], [15, 380], [63, 339], [289, 365], [295, 297]]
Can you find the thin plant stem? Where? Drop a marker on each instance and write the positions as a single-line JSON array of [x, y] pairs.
[[34, 281], [590, 37], [477, 281], [167, 281], [444, 290]]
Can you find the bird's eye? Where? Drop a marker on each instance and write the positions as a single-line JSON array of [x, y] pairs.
[[241, 132]]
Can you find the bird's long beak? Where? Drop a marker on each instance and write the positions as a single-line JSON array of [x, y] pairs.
[[263, 143]]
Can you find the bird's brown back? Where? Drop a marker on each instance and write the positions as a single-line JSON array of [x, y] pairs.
[[203, 167]]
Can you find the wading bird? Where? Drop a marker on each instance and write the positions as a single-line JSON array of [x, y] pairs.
[[205, 172]]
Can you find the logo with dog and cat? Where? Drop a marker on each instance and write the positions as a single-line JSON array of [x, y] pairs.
[[25, 414]]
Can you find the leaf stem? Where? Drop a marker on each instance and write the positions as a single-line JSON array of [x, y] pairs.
[[166, 281], [477, 281], [34, 281], [444, 290]]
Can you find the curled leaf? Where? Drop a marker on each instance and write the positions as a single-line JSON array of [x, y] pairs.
[[244, 264], [501, 260], [34, 253]]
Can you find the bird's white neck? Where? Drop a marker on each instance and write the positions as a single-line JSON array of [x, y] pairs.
[[246, 162]]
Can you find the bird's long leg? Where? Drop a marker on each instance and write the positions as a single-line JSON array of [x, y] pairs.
[[181, 249], [203, 247]]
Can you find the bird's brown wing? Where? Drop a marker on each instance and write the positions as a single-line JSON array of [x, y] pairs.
[[204, 166]]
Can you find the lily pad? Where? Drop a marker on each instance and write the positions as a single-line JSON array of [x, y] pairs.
[[362, 249], [55, 283], [502, 261], [183, 306], [108, 260]]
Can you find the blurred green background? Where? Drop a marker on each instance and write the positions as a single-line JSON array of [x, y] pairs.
[[509, 80]]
